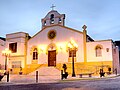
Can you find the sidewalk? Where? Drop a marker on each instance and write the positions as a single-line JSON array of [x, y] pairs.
[[70, 78], [30, 79]]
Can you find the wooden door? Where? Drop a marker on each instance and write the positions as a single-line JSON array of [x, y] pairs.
[[52, 58]]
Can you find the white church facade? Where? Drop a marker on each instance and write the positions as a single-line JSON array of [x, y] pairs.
[[55, 45]]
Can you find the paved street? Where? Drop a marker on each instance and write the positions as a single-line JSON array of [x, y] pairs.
[[92, 84]]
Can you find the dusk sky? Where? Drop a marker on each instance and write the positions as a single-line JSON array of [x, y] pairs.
[[102, 17]]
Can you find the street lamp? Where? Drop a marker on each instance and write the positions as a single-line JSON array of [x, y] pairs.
[[6, 53], [72, 47]]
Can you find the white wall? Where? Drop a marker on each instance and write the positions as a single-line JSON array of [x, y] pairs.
[[64, 35], [2, 58], [20, 39], [106, 56], [116, 63]]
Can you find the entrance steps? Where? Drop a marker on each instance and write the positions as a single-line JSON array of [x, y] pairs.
[[47, 71]]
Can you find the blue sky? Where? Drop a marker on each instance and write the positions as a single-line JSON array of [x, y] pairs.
[[102, 17]]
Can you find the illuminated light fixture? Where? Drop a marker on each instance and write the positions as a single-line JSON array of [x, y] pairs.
[[6, 53], [42, 49], [72, 47]]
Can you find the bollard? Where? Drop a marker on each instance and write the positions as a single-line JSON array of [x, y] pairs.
[[8, 76], [116, 71], [61, 74], [36, 76]]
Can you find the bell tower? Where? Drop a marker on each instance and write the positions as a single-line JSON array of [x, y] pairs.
[[53, 18]]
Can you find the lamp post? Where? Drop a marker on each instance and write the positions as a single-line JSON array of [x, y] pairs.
[[6, 53], [72, 46]]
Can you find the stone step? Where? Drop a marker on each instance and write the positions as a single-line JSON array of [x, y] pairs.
[[47, 71]]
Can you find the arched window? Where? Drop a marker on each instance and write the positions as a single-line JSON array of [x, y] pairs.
[[60, 20], [52, 18], [45, 23], [35, 54], [98, 51]]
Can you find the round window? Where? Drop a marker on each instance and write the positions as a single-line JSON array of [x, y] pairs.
[[52, 34]]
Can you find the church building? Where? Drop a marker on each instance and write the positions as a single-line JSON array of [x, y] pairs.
[[56, 44]]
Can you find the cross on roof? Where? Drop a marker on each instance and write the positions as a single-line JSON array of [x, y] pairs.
[[84, 27], [52, 6]]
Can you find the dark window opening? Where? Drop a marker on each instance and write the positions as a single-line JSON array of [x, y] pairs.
[[52, 18], [13, 47], [60, 20], [107, 49], [45, 23], [35, 54], [98, 51]]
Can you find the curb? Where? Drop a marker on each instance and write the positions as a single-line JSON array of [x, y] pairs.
[[98, 78], [64, 80]]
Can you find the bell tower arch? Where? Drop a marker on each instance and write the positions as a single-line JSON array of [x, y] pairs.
[[53, 18]]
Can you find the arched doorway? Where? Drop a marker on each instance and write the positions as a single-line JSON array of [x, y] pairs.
[[52, 58], [52, 54]]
